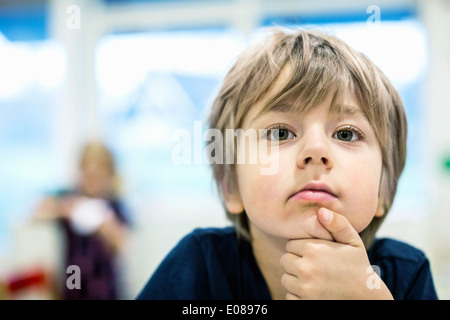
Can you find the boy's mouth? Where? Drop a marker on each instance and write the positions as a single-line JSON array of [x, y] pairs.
[[319, 192]]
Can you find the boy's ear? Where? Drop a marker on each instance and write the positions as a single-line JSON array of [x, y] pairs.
[[380, 208], [233, 201]]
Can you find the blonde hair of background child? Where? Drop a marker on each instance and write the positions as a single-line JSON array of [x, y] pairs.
[[98, 152]]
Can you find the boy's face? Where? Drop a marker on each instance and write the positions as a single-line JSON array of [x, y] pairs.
[[325, 159]]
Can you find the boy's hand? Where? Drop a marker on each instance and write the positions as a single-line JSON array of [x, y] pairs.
[[324, 269]]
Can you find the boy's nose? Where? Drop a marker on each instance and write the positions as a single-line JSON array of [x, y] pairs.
[[315, 152], [324, 160]]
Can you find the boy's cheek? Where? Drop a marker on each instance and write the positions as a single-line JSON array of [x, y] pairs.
[[362, 213]]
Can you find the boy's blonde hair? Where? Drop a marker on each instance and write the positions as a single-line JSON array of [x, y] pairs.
[[321, 65]]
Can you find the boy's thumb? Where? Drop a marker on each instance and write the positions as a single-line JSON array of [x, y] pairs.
[[339, 227]]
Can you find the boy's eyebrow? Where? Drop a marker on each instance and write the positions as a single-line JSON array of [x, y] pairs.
[[350, 110], [341, 111]]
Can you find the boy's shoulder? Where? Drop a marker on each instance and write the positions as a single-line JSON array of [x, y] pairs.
[[388, 248], [211, 237], [404, 269], [213, 232]]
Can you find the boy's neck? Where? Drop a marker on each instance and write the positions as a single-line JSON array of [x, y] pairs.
[[268, 251]]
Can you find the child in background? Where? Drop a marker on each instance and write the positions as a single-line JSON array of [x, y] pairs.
[[94, 225], [337, 129]]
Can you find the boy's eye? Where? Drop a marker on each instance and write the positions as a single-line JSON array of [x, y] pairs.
[[344, 135], [348, 134], [279, 134]]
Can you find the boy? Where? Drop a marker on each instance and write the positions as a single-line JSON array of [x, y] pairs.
[[336, 128]]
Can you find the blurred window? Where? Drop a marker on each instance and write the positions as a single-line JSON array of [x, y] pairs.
[[30, 81], [151, 85]]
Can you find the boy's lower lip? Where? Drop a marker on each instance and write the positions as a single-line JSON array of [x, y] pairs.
[[314, 195]]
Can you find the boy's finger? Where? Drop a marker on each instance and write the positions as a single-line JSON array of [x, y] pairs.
[[339, 227]]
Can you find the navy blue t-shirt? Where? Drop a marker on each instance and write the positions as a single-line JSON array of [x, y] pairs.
[[212, 263]]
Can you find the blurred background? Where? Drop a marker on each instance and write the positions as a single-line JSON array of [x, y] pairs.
[[133, 72]]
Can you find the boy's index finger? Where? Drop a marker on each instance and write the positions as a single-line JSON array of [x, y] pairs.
[[339, 227]]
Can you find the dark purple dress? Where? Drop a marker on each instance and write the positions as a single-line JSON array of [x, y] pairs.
[[99, 274]]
